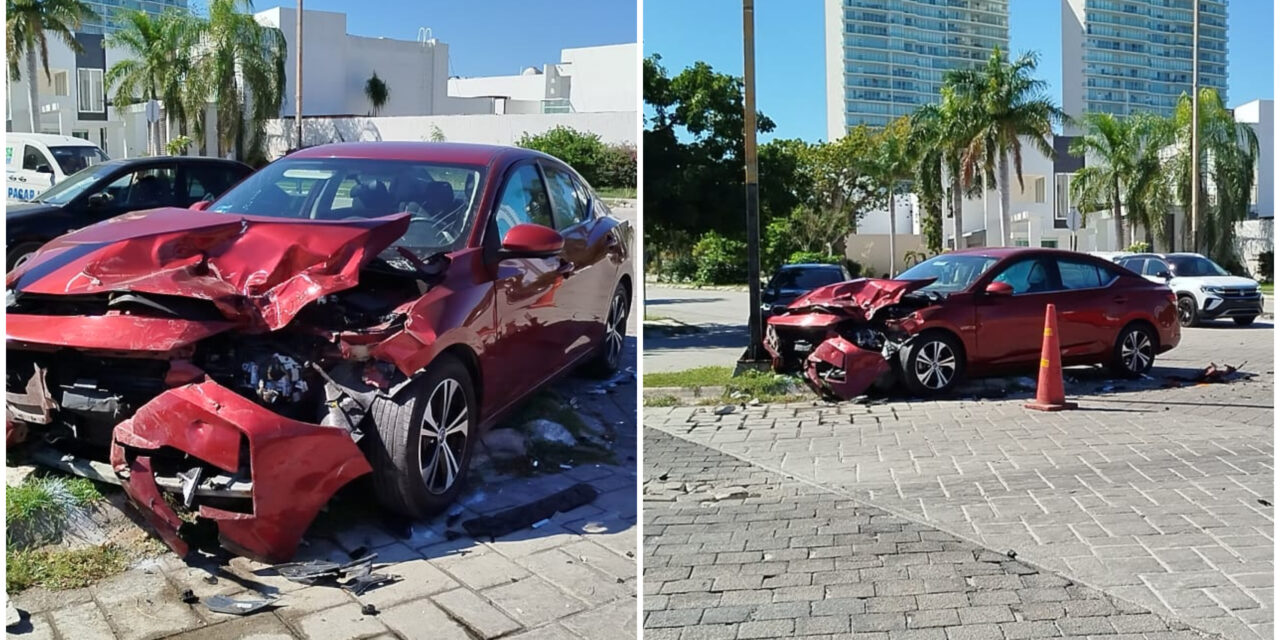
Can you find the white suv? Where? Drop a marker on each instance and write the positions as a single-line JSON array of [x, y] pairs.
[[1205, 290]]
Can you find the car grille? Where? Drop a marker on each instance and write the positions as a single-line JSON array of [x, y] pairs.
[[1241, 293]]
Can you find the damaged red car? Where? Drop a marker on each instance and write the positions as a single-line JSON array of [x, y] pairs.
[[351, 309], [974, 312]]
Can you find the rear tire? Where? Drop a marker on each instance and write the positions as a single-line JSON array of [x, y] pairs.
[[1244, 322], [1188, 311], [932, 364], [1134, 352], [608, 357], [422, 440]]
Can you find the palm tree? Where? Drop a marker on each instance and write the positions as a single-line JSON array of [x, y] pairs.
[[928, 153], [376, 90], [1010, 105], [28, 26], [1111, 147], [1230, 151], [893, 164], [157, 63], [240, 67]]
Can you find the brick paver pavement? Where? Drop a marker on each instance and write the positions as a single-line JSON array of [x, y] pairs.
[[735, 551], [572, 578], [1161, 497]]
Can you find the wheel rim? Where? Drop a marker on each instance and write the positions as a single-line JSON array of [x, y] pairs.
[[615, 329], [443, 438], [935, 365], [22, 260], [1135, 351], [1185, 311]]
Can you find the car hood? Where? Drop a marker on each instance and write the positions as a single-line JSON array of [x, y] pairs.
[[15, 211], [258, 270], [864, 295], [1217, 281]]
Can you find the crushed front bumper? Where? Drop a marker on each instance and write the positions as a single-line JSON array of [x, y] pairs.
[[294, 467]]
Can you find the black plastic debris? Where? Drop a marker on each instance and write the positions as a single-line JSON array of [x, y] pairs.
[[210, 579], [359, 552], [1264, 502], [317, 571], [1011, 553], [189, 597], [526, 515], [369, 610], [223, 604], [361, 578]]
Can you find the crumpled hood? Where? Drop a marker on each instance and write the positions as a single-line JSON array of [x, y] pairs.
[[866, 295], [256, 269]]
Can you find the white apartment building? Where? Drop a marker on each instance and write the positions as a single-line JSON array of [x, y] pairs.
[[885, 58], [1261, 116], [586, 80]]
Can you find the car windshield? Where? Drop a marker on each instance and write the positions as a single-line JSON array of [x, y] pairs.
[[442, 199], [952, 272], [1194, 266], [76, 184], [73, 159], [805, 278]]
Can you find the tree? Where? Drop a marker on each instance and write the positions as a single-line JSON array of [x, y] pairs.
[[928, 152], [581, 150], [1010, 105], [893, 166], [1111, 147], [156, 65], [376, 90], [28, 26], [240, 66]]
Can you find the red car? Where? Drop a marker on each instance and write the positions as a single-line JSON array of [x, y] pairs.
[[975, 312], [349, 309]]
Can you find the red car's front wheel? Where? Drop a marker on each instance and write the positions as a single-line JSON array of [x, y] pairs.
[[609, 355], [932, 364]]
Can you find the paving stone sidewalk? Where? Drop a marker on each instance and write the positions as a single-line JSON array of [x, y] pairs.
[[1161, 497], [572, 578], [736, 551]]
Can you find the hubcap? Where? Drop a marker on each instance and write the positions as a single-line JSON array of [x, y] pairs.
[[935, 365], [1185, 311], [1135, 351], [615, 329], [445, 426]]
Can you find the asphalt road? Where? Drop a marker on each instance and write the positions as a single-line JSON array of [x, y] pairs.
[[720, 318]]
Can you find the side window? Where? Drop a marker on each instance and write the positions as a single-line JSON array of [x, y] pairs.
[[524, 199], [1080, 275], [143, 189], [1027, 276], [1154, 267], [34, 159], [206, 181], [1132, 264], [568, 197]]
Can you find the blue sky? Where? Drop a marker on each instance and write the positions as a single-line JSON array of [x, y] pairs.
[[790, 66], [489, 37]]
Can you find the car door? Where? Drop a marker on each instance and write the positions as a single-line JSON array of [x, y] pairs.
[[588, 291], [134, 189], [531, 333], [1010, 329], [1087, 307]]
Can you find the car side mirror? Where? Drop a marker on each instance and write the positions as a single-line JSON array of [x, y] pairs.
[[999, 289], [1165, 275], [530, 240], [200, 205], [44, 168], [97, 200]]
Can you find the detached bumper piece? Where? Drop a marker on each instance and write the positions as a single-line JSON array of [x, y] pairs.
[[294, 467], [838, 368]]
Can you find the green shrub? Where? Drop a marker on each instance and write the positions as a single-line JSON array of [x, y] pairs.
[[617, 167], [680, 268], [1267, 266], [720, 260], [580, 150], [1138, 247], [814, 257]]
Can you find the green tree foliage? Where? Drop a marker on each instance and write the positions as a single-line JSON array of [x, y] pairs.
[[599, 164], [720, 260]]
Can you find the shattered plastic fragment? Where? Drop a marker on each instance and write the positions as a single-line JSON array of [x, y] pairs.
[[223, 604]]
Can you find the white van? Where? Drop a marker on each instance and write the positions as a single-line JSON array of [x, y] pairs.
[[33, 162]]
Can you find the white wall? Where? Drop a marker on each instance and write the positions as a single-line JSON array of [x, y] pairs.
[[603, 78], [1260, 115], [612, 127], [518, 87]]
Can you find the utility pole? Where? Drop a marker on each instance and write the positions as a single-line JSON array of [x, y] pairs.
[[297, 78], [1195, 126], [753, 182]]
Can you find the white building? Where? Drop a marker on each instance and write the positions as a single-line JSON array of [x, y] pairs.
[[586, 80], [1261, 116]]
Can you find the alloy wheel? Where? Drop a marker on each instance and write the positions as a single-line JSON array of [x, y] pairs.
[[935, 365], [1186, 311], [443, 438], [615, 329], [1136, 351]]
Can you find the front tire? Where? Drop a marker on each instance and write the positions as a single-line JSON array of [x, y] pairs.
[[932, 364], [609, 356], [1245, 321], [423, 438], [1134, 352], [1188, 311], [21, 254]]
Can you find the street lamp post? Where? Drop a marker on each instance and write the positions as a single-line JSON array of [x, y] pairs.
[[1195, 126], [752, 180], [297, 77]]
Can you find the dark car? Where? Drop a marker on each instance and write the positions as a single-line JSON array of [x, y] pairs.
[[109, 189], [977, 311], [349, 310], [791, 281]]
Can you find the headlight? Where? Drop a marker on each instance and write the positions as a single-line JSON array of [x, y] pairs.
[[1208, 289]]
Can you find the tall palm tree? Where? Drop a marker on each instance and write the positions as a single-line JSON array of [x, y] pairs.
[[947, 128], [28, 26], [1111, 145], [893, 164], [928, 154], [1011, 104], [157, 63], [1230, 153], [240, 67], [376, 90]]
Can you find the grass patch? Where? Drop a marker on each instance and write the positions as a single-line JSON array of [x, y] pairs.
[[650, 317], [628, 193], [690, 378], [59, 569], [762, 385], [1268, 288], [661, 401], [548, 405]]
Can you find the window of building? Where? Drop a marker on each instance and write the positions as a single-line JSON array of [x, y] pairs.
[[1049, 244], [89, 88]]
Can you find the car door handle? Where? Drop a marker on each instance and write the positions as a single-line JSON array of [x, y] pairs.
[[1119, 299], [566, 268]]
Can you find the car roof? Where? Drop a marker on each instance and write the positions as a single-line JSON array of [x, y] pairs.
[[128, 162], [810, 265], [444, 152], [49, 139], [1004, 252]]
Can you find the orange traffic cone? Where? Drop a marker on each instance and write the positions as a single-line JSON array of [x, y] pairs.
[[1050, 395]]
